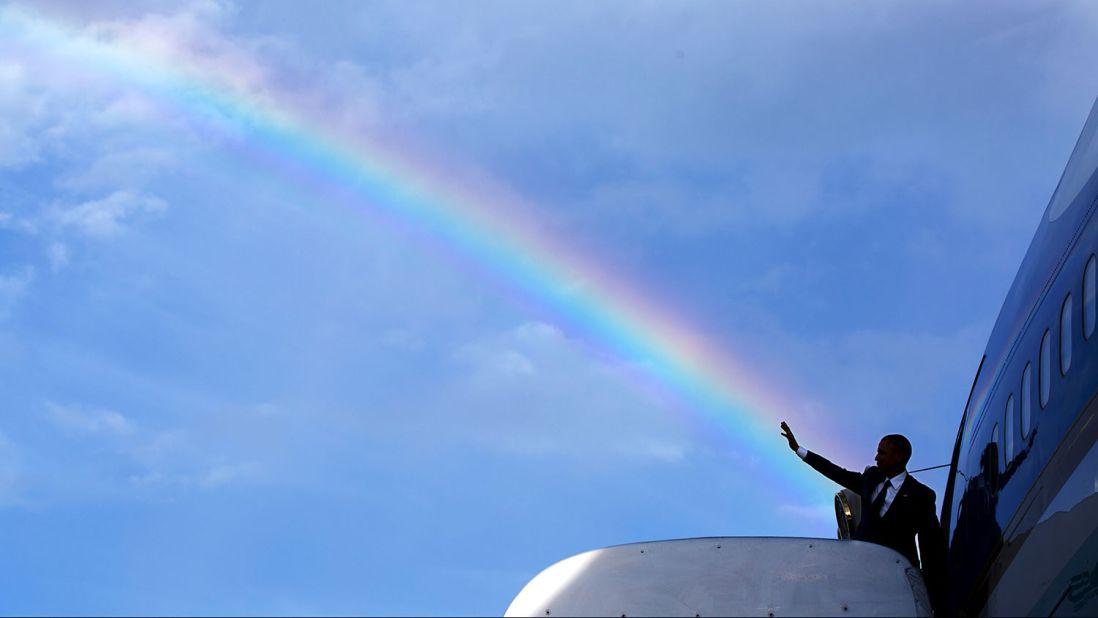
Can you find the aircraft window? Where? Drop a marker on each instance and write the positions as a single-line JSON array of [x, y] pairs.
[[1088, 297], [1008, 429], [1027, 397], [1065, 336], [995, 441], [1046, 367]]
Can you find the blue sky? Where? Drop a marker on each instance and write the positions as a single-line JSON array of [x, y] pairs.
[[229, 391]]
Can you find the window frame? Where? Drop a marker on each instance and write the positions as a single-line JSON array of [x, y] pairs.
[[998, 451], [1044, 371], [1065, 334], [1090, 303], [1008, 429], [1025, 396]]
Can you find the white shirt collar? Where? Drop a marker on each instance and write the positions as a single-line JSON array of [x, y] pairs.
[[899, 479]]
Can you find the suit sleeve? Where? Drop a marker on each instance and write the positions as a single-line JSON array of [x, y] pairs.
[[932, 550], [842, 476]]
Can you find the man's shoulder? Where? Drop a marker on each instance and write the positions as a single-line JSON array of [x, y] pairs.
[[914, 486]]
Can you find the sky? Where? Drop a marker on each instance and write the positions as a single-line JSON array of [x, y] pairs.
[[384, 307]]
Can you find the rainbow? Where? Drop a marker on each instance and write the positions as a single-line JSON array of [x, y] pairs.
[[482, 222]]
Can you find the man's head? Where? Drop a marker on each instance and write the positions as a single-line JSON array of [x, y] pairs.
[[893, 453]]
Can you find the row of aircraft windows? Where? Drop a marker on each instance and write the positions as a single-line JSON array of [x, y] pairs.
[[1044, 378]]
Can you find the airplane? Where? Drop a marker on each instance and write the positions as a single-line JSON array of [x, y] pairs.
[[1020, 508]]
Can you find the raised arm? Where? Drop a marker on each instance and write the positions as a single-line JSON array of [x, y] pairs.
[[842, 476]]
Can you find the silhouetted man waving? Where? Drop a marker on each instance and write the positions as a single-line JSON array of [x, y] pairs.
[[895, 507]]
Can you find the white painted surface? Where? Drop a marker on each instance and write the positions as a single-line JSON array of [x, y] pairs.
[[728, 576]]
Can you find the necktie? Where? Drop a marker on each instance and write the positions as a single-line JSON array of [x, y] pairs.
[[879, 501]]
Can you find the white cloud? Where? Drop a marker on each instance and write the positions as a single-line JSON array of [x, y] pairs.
[[194, 40], [733, 104], [58, 256], [21, 117], [538, 333], [578, 407], [82, 419], [105, 218], [668, 452], [510, 362], [512, 355], [221, 475], [103, 139], [9, 221], [123, 167], [156, 463], [162, 446], [126, 109], [757, 119]]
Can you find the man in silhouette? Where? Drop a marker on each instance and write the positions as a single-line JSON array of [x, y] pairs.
[[895, 507]]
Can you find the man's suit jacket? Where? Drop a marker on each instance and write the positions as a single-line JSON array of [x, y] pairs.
[[911, 513]]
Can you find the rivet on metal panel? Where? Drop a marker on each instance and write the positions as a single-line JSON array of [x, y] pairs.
[[546, 612], [810, 546], [845, 608], [718, 547], [642, 551], [770, 613]]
